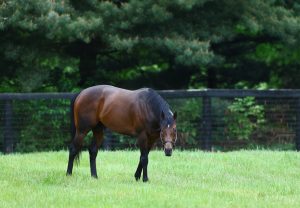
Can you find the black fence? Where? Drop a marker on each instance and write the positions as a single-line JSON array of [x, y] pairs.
[[207, 119]]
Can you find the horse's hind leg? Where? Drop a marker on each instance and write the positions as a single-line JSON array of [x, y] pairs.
[[74, 150], [93, 149]]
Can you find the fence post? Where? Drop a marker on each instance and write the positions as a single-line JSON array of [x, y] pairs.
[[207, 124], [8, 131], [297, 139]]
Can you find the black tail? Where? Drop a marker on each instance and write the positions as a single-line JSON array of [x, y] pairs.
[[73, 128]]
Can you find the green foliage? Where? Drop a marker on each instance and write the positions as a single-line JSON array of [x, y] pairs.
[[230, 36], [58, 45], [244, 116], [267, 52], [134, 73], [44, 127], [189, 114]]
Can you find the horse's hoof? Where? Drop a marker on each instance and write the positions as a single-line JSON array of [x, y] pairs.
[[145, 180], [137, 178], [68, 174], [95, 176]]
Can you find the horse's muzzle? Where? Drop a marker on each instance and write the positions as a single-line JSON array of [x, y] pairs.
[[168, 152]]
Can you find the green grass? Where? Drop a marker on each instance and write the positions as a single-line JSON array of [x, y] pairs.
[[187, 179]]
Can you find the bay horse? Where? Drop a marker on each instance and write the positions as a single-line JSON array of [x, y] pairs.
[[142, 113]]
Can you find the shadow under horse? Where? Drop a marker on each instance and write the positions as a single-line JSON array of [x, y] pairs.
[[142, 113]]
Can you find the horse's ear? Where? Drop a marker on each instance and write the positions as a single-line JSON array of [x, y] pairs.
[[175, 115], [162, 115]]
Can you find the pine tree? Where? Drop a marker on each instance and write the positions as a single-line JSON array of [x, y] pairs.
[[55, 41]]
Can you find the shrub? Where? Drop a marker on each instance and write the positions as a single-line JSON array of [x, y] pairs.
[[243, 117]]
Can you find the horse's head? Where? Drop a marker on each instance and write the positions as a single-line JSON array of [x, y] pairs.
[[168, 133]]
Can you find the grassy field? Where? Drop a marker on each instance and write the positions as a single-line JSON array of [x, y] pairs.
[[187, 179]]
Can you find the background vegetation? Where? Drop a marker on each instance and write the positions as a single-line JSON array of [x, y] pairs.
[[67, 45]]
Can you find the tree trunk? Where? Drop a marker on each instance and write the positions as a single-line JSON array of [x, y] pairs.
[[211, 78], [87, 65]]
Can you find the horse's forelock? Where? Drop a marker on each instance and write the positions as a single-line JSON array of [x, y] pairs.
[[168, 121]]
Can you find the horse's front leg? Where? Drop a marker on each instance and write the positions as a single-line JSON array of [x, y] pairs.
[[138, 171], [144, 161], [145, 143], [142, 166]]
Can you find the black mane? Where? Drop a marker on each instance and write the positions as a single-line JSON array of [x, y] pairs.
[[158, 105]]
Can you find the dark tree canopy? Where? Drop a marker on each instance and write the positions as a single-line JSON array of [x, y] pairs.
[[63, 45]]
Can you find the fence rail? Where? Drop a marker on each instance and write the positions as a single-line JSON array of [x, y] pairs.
[[281, 109]]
